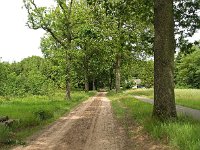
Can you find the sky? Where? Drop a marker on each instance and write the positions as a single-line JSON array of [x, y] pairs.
[[17, 41]]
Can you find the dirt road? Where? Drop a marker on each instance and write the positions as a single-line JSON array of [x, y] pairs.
[[90, 126]]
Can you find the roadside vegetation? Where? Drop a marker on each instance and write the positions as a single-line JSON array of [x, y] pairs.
[[185, 97], [178, 134], [32, 113]]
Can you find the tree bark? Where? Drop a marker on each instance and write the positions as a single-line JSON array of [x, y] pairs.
[[164, 48], [86, 83], [86, 73], [93, 84], [117, 72], [68, 77], [111, 79]]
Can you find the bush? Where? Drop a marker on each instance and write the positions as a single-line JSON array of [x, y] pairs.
[[188, 71], [5, 134], [43, 114], [129, 84]]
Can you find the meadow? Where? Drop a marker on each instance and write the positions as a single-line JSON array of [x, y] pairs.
[[181, 133], [32, 113], [185, 97]]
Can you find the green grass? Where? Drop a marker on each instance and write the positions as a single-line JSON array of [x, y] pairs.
[[142, 92], [33, 113], [188, 97], [185, 97], [182, 133]]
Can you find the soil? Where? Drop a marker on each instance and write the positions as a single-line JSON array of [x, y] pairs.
[[90, 126]]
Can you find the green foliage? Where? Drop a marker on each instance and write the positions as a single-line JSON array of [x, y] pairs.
[[89, 34], [43, 114], [99, 30], [188, 70], [129, 84], [5, 135], [26, 77], [138, 69], [186, 17], [4, 67]]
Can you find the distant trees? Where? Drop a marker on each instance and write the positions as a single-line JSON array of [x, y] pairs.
[[79, 29], [26, 77], [188, 69], [4, 67], [137, 69]]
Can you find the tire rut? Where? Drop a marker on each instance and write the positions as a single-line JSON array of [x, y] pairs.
[[76, 138], [90, 126]]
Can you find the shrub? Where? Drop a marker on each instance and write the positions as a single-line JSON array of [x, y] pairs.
[[5, 134], [188, 71], [43, 114]]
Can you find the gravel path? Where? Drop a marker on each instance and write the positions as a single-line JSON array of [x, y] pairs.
[[180, 109], [90, 126]]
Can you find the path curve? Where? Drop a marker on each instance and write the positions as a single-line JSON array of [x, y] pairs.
[[180, 109], [90, 126]]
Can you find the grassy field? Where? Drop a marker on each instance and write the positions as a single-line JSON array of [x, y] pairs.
[[185, 97], [33, 113], [179, 134]]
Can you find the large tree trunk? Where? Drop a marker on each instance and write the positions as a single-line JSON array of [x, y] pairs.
[[164, 48], [117, 72]]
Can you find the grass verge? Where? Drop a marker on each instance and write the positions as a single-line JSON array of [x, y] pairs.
[[185, 97], [33, 113], [182, 133]]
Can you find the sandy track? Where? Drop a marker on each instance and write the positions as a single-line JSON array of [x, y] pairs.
[[89, 127]]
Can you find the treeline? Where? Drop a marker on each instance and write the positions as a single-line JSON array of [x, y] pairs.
[[187, 74], [30, 76], [98, 41], [40, 76], [92, 44]]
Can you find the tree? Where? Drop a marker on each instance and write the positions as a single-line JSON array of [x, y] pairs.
[[188, 70], [187, 22], [26, 77], [87, 47], [5, 70], [57, 22], [164, 48], [128, 20]]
